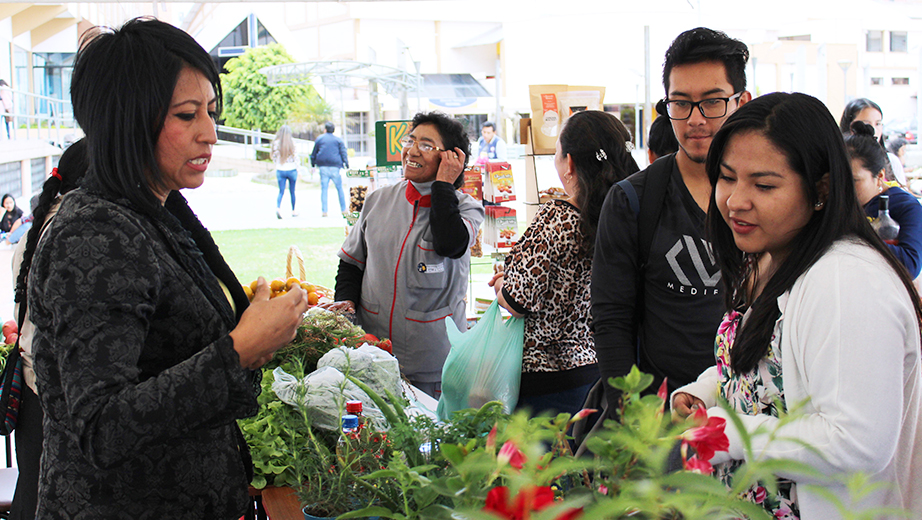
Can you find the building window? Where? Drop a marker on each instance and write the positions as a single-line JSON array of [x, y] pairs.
[[901, 81], [877, 81], [358, 126], [898, 41], [875, 41]]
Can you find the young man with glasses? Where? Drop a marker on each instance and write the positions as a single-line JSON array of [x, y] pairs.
[[404, 266], [656, 298]]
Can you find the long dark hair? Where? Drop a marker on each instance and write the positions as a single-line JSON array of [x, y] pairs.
[[802, 127], [862, 145], [122, 85], [597, 143], [71, 167], [9, 196], [851, 110]]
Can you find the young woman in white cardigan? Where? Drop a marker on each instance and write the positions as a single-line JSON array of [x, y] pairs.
[[821, 314]]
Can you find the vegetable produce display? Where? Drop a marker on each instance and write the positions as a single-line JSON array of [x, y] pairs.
[[10, 335]]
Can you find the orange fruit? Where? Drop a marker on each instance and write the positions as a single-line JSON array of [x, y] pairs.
[[292, 282], [307, 287], [277, 285], [253, 285], [312, 298], [248, 292]]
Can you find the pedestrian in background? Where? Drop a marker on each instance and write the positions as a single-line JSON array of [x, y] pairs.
[[286, 167], [330, 155]]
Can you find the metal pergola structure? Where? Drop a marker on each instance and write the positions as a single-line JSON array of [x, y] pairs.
[[344, 74], [340, 74]]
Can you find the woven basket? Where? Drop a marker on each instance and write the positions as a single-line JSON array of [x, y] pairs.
[[294, 266]]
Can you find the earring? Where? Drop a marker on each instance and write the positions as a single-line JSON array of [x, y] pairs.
[[818, 205]]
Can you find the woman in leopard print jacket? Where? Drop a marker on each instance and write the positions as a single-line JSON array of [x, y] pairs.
[[546, 275]]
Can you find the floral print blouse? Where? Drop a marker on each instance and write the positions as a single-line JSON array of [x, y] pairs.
[[760, 391]]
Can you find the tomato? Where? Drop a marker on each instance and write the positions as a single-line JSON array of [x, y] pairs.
[[369, 338], [11, 339], [10, 327], [386, 346]]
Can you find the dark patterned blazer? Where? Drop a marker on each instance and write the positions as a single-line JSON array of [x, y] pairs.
[[136, 372]]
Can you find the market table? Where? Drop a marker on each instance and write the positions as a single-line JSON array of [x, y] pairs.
[[281, 503]]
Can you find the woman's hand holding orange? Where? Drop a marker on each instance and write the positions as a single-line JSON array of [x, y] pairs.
[[268, 325]]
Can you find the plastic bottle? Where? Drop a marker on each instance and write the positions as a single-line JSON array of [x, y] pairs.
[[347, 441], [355, 408], [887, 228]]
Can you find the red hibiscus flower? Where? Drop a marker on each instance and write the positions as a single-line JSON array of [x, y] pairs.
[[697, 465], [760, 495], [707, 438], [582, 414], [529, 499], [663, 393], [510, 453], [491, 439]]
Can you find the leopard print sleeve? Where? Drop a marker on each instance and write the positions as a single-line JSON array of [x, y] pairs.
[[530, 266]]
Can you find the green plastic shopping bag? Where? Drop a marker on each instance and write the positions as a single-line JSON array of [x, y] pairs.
[[484, 364]]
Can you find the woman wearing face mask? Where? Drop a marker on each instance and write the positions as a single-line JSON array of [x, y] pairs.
[[869, 161], [803, 268]]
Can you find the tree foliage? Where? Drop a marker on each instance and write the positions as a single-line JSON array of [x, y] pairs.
[[249, 101]]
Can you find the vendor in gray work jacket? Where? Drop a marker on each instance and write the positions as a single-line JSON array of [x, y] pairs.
[[404, 266]]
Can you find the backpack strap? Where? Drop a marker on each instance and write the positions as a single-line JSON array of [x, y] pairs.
[[647, 208]]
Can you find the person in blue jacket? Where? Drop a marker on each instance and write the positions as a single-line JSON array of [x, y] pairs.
[[330, 155], [869, 164]]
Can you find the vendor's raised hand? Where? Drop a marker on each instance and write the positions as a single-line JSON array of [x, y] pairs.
[[451, 165], [268, 325]]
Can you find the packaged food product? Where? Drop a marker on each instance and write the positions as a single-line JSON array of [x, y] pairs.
[[473, 182], [551, 105], [500, 186], [501, 226]]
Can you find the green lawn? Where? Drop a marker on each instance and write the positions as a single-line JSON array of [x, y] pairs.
[[262, 252]]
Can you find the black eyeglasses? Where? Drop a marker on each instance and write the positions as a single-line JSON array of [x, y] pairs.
[[711, 108]]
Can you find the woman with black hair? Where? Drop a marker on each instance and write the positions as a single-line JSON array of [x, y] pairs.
[[547, 273], [823, 320], [145, 346], [869, 113], [869, 162], [10, 216], [28, 432], [404, 266]]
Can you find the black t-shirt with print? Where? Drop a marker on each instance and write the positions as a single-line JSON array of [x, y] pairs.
[[682, 294]]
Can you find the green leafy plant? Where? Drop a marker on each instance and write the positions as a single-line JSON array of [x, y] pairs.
[[249, 101], [484, 464]]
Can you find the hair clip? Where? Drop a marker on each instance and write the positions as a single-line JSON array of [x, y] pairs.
[[601, 155], [629, 146], [55, 174]]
